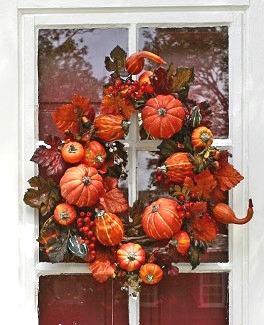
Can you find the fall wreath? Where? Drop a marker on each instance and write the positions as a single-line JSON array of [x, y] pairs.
[[84, 215]]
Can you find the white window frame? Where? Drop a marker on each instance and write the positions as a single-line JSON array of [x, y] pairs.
[[62, 14]]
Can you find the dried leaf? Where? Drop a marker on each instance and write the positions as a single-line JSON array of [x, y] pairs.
[[198, 208], [116, 61], [50, 229], [56, 252], [228, 177], [201, 184], [203, 228], [117, 105], [182, 79], [44, 194], [114, 201], [103, 266]]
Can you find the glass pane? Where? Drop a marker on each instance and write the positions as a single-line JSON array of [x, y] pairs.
[[150, 189], [70, 61], [186, 299], [205, 49], [80, 300]]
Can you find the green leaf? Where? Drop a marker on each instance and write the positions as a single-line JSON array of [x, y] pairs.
[[43, 194]]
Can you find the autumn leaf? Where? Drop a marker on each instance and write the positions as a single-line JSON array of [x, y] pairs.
[[181, 79], [114, 201], [203, 228], [68, 117], [197, 208], [116, 61], [49, 230], [44, 194], [103, 266], [227, 176], [110, 183], [50, 159], [57, 250], [117, 105], [202, 184]]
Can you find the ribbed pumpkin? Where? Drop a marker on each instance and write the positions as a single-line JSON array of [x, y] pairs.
[[94, 154], [150, 273], [109, 127], [177, 167], [160, 220], [109, 229], [163, 116], [81, 185]]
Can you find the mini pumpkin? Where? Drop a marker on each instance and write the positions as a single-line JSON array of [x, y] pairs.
[[65, 214], [130, 256], [72, 152], [109, 127], [94, 154], [160, 220], [109, 229], [81, 185], [202, 137], [163, 116], [150, 273], [177, 167], [181, 240]]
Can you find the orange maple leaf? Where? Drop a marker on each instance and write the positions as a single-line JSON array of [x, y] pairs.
[[198, 208], [114, 201], [201, 184], [68, 116], [203, 228], [103, 267], [227, 176], [117, 105]]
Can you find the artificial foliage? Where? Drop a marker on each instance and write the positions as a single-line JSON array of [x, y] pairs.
[[85, 216]]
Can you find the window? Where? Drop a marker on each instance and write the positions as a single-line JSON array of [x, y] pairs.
[[141, 32]]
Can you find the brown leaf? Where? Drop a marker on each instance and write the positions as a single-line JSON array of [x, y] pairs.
[[228, 177], [49, 230], [182, 78], [44, 194], [203, 228]]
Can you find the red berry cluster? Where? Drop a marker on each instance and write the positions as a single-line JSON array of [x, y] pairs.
[[184, 206], [129, 89], [85, 226]]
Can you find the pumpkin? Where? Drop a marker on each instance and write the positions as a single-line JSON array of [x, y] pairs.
[[72, 152], [135, 62], [202, 137], [94, 154], [130, 256], [150, 273], [64, 214], [181, 240], [81, 185], [109, 127], [161, 220], [177, 167], [163, 116], [224, 214], [109, 229]]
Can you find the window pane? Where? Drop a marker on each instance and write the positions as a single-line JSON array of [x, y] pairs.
[[186, 299], [79, 299], [70, 61], [205, 49]]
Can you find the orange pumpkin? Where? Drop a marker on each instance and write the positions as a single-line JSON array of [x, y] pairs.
[[81, 185], [109, 229], [109, 127], [202, 137], [65, 214], [150, 273], [163, 116], [94, 154], [177, 167], [130, 256], [181, 240], [160, 220]]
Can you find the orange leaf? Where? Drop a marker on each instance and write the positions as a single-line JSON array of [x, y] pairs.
[[203, 228], [117, 105], [103, 267], [110, 183], [201, 184], [114, 201], [198, 208], [228, 176]]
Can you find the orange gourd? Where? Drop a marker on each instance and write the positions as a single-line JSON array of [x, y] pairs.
[[150, 273], [135, 62], [109, 127]]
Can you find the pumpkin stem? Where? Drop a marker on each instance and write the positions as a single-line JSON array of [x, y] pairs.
[[150, 277], [155, 207], [162, 168], [125, 125], [99, 213], [86, 180], [162, 111], [131, 256]]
